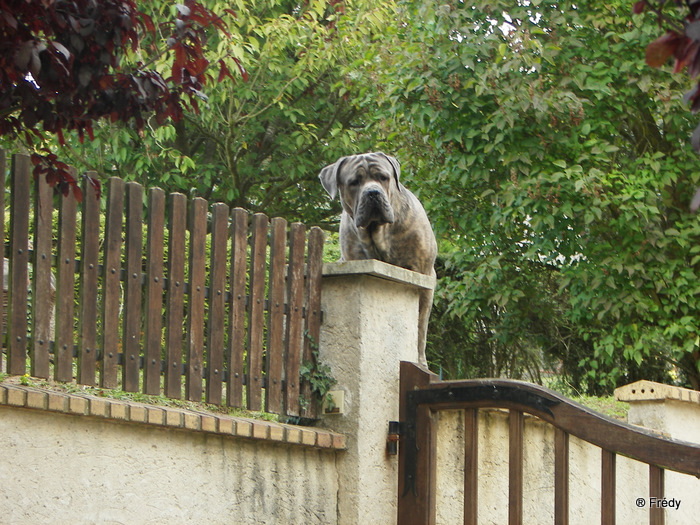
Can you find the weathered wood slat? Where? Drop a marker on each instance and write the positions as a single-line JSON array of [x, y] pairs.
[[19, 265], [256, 311], [515, 467], [295, 305], [65, 287], [607, 488], [111, 286], [132, 287], [471, 466], [275, 325], [217, 303], [175, 296], [43, 292], [3, 310], [195, 318], [657, 514], [312, 324], [89, 264], [417, 494], [153, 329], [561, 477], [237, 307]]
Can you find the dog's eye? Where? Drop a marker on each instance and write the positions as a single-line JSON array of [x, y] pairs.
[[354, 182]]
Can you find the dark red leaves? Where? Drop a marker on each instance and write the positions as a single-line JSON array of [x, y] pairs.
[[61, 67], [659, 51], [639, 7]]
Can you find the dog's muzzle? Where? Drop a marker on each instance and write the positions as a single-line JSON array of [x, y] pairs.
[[373, 208]]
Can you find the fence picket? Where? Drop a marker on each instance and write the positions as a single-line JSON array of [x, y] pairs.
[[195, 318], [561, 477], [19, 266], [89, 264], [656, 490], [3, 309], [515, 467], [236, 345], [175, 295], [295, 305], [132, 287], [153, 329], [43, 293], [111, 286], [471, 466], [217, 303], [312, 324], [256, 311], [275, 325], [65, 287], [607, 487]]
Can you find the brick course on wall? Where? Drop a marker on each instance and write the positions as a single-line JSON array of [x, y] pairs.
[[122, 411]]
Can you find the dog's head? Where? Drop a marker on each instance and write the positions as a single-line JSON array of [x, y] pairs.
[[366, 184]]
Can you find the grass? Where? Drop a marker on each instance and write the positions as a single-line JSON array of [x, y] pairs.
[[138, 397]]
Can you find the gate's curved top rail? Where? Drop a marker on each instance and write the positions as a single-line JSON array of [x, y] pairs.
[[607, 433]]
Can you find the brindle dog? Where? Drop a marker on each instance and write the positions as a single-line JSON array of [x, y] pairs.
[[382, 220]]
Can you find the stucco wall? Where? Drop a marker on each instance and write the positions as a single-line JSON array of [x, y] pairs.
[[65, 468], [538, 476]]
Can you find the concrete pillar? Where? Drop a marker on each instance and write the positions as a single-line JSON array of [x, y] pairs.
[[671, 410], [675, 413], [370, 325]]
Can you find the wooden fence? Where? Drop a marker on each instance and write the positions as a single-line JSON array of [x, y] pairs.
[[216, 296]]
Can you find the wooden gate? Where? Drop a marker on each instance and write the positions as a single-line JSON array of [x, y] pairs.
[[422, 395]]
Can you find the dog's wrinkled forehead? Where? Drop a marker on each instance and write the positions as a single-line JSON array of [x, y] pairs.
[[345, 168]]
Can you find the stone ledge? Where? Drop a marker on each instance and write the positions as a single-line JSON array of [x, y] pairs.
[[652, 391], [121, 411], [379, 269]]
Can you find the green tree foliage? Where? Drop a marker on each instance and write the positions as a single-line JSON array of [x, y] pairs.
[[260, 143], [555, 164]]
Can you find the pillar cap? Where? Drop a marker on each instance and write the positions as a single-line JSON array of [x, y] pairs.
[[379, 269], [651, 391]]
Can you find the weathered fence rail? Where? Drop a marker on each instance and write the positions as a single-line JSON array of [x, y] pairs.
[[228, 302]]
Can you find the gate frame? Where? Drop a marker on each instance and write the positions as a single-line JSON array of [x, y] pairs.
[[422, 394]]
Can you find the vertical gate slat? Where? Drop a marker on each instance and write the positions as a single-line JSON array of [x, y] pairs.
[[236, 343], [43, 294], [217, 303], [65, 287], [132, 287], [656, 490], [471, 466], [89, 264], [175, 300], [607, 489], [256, 311], [19, 265], [111, 288], [275, 343], [416, 505], [3, 311], [195, 318], [561, 477], [515, 467], [153, 330], [312, 325], [295, 302]]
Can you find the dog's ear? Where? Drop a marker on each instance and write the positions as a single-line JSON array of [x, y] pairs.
[[397, 168], [329, 177]]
